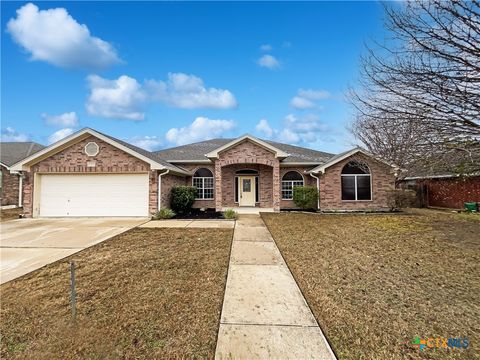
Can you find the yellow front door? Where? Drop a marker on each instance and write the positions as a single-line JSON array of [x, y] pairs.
[[247, 190]]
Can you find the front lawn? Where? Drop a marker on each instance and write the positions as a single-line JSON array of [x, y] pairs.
[[147, 293], [375, 282]]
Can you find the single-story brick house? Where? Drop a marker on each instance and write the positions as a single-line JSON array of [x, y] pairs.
[[11, 182], [94, 174]]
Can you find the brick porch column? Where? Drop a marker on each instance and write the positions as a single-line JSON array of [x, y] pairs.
[[218, 186], [276, 185]]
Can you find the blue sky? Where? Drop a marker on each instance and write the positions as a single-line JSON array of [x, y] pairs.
[[160, 74]]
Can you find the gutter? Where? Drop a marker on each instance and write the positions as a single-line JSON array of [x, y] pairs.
[[318, 189], [159, 200]]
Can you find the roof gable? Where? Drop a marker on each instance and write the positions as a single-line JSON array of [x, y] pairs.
[[141, 154], [342, 156], [276, 151]]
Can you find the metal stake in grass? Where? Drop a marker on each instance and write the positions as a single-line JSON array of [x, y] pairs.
[[73, 293]]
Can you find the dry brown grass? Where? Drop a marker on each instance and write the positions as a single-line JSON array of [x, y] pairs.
[[374, 282], [10, 214], [147, 293]]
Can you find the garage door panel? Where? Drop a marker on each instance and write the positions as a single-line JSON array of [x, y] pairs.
[[94, 195]]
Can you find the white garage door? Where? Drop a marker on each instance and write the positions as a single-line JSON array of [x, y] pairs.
[[94, 195]]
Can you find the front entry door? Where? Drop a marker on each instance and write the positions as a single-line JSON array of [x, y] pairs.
[[247, 191]]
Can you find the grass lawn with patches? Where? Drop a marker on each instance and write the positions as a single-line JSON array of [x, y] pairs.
[[147, 293], [10, 214], [375, 282]]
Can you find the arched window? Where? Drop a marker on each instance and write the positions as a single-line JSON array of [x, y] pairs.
[[289, 181], [203, 181], [356, 182]]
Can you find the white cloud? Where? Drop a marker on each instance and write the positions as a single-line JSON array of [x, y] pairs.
[[295, 130], [189, 92], [60, 134], [54, 36], [201, 128], [69, 119], [266, 47], [299, 102], [269, 62], [126, 98], [264, 128], [10, 134], [149, 143], [313, 94], [305, 99], [122, 98]]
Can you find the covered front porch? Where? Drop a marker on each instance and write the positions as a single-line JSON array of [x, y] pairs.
[[247, 187]]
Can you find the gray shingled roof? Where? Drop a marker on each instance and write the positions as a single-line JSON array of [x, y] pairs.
[[13, 152], [197, 151], [145, 153]]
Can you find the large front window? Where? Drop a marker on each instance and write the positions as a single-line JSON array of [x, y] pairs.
[[289, 181], [203, 181], [356, 182]]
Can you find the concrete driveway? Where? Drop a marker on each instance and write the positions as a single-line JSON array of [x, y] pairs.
[[29, 244]]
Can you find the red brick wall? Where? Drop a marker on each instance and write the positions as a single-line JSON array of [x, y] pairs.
[[453, 192], [382, 177], [307, 181], [9, 192], [168, 182], [74, 160]]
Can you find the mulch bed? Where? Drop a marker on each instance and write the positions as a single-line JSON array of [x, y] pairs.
[[376, 282], [145, 294], [198, 214]]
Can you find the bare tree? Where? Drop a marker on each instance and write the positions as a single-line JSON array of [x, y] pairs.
[[419, 99]]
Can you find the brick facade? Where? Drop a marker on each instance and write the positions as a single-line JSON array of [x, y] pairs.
[[168, 182], [9, 190], [307, 181], [73, 160], [382, 177]]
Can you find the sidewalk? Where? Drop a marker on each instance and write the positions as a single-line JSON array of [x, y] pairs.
[[264, 315]]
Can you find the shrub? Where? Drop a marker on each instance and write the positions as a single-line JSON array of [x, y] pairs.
[[229, 214], [401, 198], [182, 198], [163, 214], [305, 197]]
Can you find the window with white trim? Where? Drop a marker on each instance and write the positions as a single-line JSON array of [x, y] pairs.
[[356, 182], [203, 181], [289, 181]]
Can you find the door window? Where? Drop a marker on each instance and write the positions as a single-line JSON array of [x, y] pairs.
[[247, 185]]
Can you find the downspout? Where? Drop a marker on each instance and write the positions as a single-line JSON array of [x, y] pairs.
[[20, 189], [318, 189], [159, 206]]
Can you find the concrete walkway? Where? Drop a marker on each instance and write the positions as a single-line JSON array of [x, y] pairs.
[[264, 315]]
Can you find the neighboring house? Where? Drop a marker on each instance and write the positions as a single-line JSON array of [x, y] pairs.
[[93, 174], [444, 189], [11, 182]]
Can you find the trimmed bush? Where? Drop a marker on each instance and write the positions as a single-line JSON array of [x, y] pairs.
[[401, 198], [182, 198], [305, 197], [163, 214], [229, 214]]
